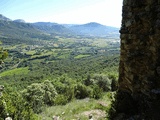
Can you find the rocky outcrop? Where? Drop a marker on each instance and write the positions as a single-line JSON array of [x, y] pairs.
[[139, 72]]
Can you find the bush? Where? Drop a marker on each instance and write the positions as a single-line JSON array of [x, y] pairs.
[[38, 94], [60, 99], [103, 82], [16, 106], [88, 81], [97, 92], [50, 92], [114, 84], [63, 83], [34, 94], [2, 109], [81, 91]]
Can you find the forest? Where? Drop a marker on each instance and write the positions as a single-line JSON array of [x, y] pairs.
[[47, 70], [56, 73]]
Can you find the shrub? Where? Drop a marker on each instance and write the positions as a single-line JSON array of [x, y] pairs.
[[97, 92], [81, 91], [38, 94], [16, 106], [50, 92], [103, 82], [60, 99], [34, 94], [2, 109], [88, 81]]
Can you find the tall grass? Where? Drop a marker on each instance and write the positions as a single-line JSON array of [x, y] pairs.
[[15, 71], [77, 109]]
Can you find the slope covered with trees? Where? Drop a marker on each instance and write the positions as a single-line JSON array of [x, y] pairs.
[[52, 70]]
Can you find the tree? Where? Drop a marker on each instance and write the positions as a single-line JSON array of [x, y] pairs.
[[16, 106], [3, 54], [39, 94], [103, 82]]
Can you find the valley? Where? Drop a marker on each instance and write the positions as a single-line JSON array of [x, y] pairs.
[[51, 67], [64, 52]]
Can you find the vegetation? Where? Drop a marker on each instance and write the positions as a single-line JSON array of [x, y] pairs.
[[80, 109], [69, 74]]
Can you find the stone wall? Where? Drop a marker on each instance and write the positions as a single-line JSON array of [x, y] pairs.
[[139, 72]]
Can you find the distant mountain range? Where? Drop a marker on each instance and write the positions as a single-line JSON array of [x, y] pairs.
[[90, 29], [19, 20], [4, 18], [95, 29], [52, 28], [19, 29]]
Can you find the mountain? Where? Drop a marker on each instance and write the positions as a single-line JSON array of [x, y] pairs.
[[3, 18], [19, 20], [95, 29], [11, 31], [68, 25], [52, 28], [90, 29], [22, 31]]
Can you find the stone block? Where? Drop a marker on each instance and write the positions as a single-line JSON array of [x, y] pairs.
[[158, 15], [149, 2], [147, 8], [157, 24], [127, 2], [124, 36], [126, 9], [157, 8], [152, 48], [128, 23], [123, 31]]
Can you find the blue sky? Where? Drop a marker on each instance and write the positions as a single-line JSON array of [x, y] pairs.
[[106, 12]]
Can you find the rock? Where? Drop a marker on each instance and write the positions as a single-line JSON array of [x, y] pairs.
[[55, 117]]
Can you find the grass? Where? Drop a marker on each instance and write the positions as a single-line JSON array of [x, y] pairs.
[[15, 71], [63, 56], [81, 56], [67, 40], [100, 43], [31, 52], [78, 109]]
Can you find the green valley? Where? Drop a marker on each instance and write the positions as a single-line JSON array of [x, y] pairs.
[[72, 75]]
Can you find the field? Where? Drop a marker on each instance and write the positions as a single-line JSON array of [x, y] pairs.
[[69, 77]]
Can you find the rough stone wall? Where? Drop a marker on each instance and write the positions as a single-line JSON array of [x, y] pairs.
[[139, 72]]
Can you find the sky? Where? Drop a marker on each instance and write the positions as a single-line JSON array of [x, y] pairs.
[[106, 12]]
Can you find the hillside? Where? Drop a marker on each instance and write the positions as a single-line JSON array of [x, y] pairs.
[[4, 18], [95, 29], [18, 31], [50, 68], [19, 20], [14, 31], [90, 29], [52, 28]]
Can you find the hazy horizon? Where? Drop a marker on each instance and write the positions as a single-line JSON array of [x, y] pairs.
[[105, 12]]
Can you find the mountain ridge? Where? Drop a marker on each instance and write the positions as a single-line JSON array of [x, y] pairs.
[[95, 29], [20, 20], [51, 28], [3, 18], [19, 29]]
